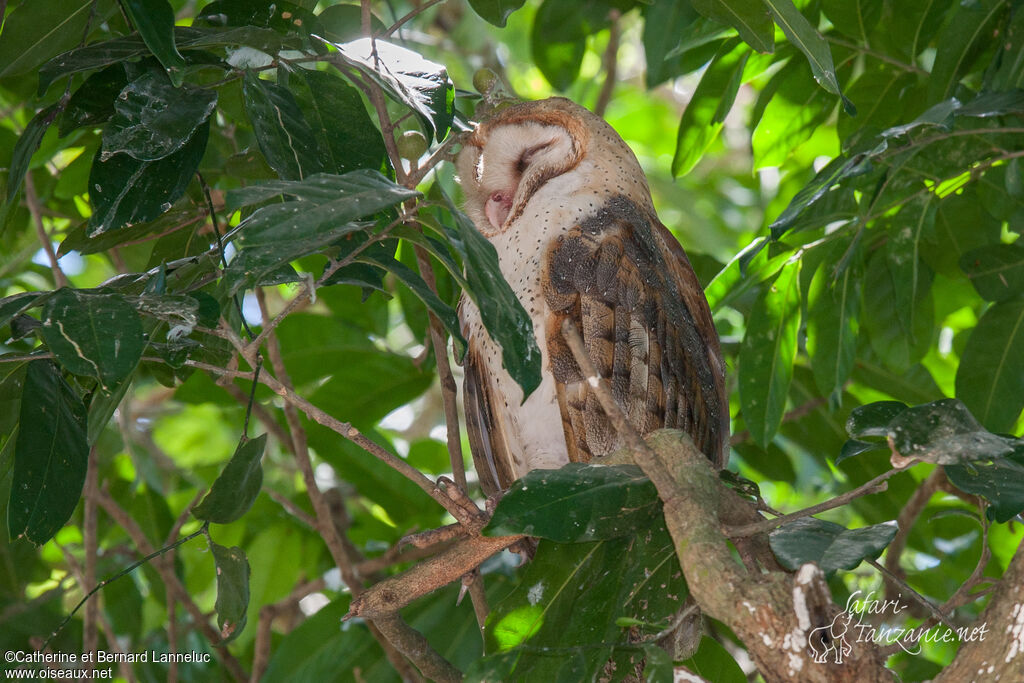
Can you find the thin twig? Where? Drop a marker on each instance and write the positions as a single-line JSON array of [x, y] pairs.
[[877, 55], [876, 485], [410, 15], [32, 201], [905, 521], [90, 636], [920, 599], [611, 60]]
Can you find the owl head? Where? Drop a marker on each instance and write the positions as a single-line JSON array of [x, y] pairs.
[[512, 154]]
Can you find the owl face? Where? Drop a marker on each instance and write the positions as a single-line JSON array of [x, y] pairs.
[[511, 155]]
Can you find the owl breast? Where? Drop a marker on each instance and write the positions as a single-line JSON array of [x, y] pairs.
[[534, 431]]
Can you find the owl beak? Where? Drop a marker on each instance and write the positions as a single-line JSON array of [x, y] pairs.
[[498, 206]]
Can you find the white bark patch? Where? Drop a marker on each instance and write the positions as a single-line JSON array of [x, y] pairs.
[[1016, 631], [681, 675]]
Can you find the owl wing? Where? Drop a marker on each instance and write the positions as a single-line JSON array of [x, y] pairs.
[[484, 425], [626, 283]]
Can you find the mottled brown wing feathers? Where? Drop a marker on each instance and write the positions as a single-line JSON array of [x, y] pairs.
[[626, 283]]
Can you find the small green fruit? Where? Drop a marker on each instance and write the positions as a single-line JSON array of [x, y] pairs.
[[484, 80], [412, 145]]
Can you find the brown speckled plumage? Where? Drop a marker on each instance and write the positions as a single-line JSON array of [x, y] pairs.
[[566, 205]]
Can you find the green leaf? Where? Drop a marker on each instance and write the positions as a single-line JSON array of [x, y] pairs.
[[576, 503], [830, 546], [899, 328], [558, 38], [154, 20], [16, 304], [877, 93], [833, 322], [284, 136], [343, 23], [767, 355], [711, 102], [153, 119], [664, 23], [1010, 73], [961, 224], [1000, 482], [235, 490], [92, 103], [964, 37], [50, 455], [125, 191], [996, 270], [749, 17], [855, 18], [807, 39], [990, 377], [33, 32], [873, 419], [325, 210], [915, 23], [496, 11], [945, 432], [714, 663], [408, 78], [657, 665], [502, 313], [346, 136], [559, 621], [788, 111], [445, 313], [94, 333], [27, 145], [915, 385], [232, 590]]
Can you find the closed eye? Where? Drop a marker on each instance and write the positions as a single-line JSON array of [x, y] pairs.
[[527, 155]]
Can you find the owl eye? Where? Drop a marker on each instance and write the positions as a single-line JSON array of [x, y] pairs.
[[527, 156]]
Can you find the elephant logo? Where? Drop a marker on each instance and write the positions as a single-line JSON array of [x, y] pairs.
[[831, 638]]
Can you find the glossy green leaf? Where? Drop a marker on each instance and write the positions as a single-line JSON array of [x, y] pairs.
[[232, 590], [501, 311], [33, 32], [577, 503], [101, 408], [235, 490], [408, 78], [92, 104], [807, 39], [1000, 482], [990, 377], [996, 271], [496, 11], [154, 20], [787, 112], [767, 355], [878, 94], [961, 224], [945, 432], [714, 663], [125, 191], [347, 138], [153, 119], [830, 546], [94, 333], [50, 455], [961, 41], [873, 419], [750, 17], [325, 210], [285, 138], [711, 102]]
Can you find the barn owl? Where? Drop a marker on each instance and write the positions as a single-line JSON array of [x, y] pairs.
[[564, 202]]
